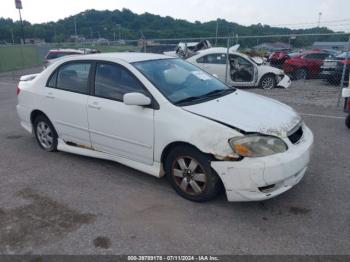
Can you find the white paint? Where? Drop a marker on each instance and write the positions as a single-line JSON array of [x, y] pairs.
[[219, 69], [136, 136]]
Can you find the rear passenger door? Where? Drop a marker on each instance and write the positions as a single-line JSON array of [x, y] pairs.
[[214, 64], [65, 101], [122, 130]]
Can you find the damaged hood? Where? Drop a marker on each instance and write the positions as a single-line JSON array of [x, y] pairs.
[[250, 113]]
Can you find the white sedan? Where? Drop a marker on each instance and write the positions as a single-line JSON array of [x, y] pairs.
[[164, 116], [243, 70]]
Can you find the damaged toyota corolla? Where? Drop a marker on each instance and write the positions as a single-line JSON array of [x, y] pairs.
[[165, 116]]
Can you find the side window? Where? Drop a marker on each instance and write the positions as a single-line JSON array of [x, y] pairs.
[[53, 80], [213, 59], [73, 77], [323, 56], [113, 81], [201, 60], [315, 56]]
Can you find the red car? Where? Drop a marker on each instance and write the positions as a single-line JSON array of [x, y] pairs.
[[278, 58], [305, 65]]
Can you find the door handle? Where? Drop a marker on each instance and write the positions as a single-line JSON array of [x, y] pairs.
[[50, 95], [95, 105]]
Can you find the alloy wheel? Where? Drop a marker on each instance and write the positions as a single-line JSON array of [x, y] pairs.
[[268, 83], [45, 135], [189, 175]]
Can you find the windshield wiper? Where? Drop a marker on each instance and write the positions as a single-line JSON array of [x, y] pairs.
[[188, 99], [215, 93], [218, 92]]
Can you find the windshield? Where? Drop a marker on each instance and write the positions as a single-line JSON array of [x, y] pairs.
[[343, 55], [181, 82]]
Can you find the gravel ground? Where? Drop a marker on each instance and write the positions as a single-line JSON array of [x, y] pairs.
[[58, 203]]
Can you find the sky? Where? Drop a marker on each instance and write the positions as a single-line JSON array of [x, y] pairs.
[[289, 13]]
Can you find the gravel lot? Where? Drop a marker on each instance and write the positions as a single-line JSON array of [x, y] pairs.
[[58, 203]]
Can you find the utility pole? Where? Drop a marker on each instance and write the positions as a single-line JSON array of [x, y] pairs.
[[13, 38], [217, 30], [19, 6], [319, 19], [22, 29], [91, 33], [119, 28], [75, 26]]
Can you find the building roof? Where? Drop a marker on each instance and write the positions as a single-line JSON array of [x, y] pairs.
[[329, 43]]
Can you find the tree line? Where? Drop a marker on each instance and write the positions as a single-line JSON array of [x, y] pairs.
[[124, 24]]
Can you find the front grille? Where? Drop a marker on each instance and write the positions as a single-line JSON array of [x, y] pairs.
[[296, 136]]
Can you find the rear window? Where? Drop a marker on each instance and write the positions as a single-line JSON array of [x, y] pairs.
[[71, 77]]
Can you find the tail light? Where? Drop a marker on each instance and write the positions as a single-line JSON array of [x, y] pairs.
[[18, 90], [345, 62]]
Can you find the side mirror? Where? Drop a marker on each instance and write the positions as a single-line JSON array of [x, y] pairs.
[[136, 99]]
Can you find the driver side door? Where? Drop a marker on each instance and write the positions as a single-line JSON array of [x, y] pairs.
[[116, 128], [242, 71]]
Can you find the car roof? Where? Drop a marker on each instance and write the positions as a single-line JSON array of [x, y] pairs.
[[66, 50], [313, 52], [214, 50], [129, 57]]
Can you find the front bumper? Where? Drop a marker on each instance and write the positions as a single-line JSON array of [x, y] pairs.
[[256, 179], [285, 82]]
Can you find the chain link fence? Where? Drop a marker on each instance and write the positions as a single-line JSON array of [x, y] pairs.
[[310, 60]]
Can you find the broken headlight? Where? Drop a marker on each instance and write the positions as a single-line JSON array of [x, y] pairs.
[[257, 145]]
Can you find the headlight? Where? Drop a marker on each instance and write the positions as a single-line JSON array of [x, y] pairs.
[[257, 146]]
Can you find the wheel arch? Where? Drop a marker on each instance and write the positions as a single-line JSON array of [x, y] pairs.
[[35, 113], [174, 144], [267, 74]]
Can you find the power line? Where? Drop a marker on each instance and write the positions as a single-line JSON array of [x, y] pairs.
[[312, 23]]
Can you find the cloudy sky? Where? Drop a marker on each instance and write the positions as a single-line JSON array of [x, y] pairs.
[[291, 13]]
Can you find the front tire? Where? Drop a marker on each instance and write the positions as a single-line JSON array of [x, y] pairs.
[[268, 82], [347, 121], [45, 133], [190, 174]]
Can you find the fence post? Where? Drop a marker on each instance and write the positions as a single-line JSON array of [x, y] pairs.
[[344, 71], [227, 59]]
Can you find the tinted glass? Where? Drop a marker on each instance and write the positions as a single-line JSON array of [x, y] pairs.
[[181, 82], [113, 81], [74, 77], [213, 59], [52, 80], [320, 56]]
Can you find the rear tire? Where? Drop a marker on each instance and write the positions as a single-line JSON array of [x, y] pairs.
[[45, 133], [347, 121], [190, 174], [301, 74]]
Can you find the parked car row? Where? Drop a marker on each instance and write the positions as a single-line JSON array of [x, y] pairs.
[[333, 67], [324, 64], [242, 70], [55, 54]]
